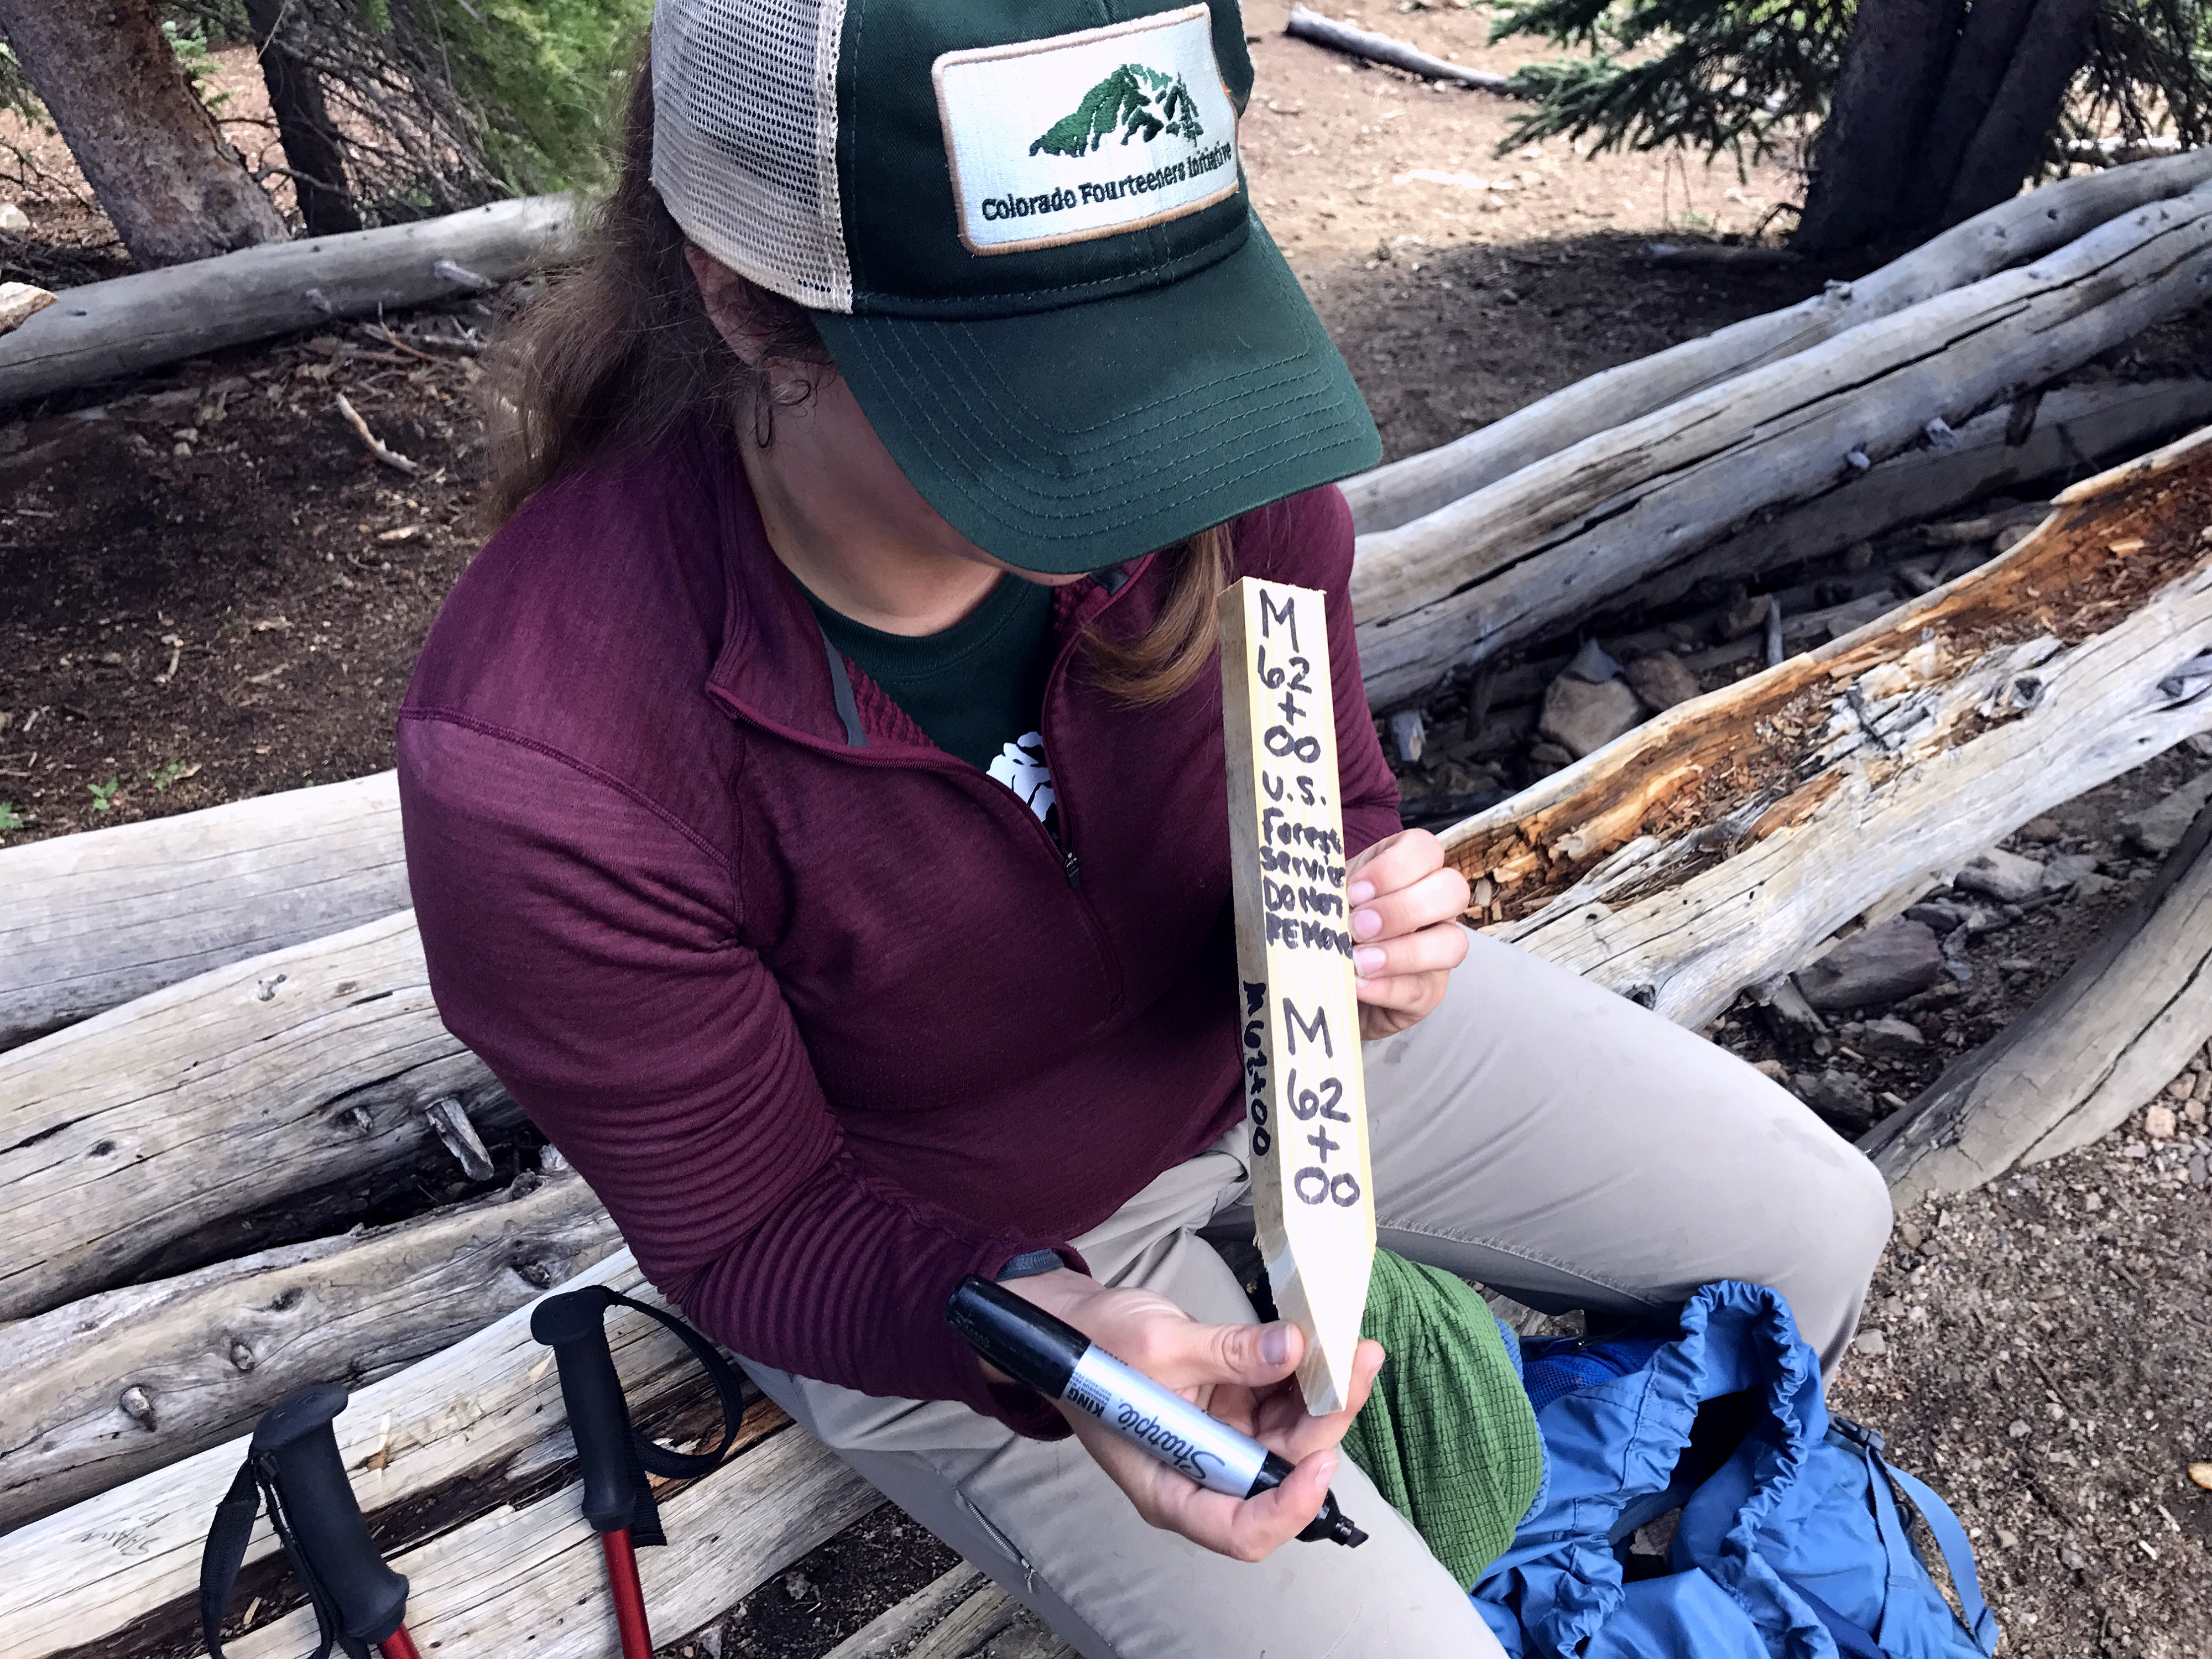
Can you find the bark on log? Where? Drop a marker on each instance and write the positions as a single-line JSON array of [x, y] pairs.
[[149, 149], [96, 918], [1717, 845], [465, 1455], [1381, 49], [1552, 542], [211, 1350], [2072, 429], [245, 1085], [132, 324], [2098, 1044], [2025, 228]]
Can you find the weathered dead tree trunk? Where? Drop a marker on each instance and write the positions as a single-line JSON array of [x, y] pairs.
[[439, 1454], [100, 1391], [1554, 541], [148, 148], [248, 1084], [2035, 224], [96, 918], [1717, 847], [2045, 436], [2097, 1045], [2011, 138], [103, 330]]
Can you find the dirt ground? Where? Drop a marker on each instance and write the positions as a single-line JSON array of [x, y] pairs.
[[209, 590]]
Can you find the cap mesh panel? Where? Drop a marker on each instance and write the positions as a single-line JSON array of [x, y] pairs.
[[745, 146]]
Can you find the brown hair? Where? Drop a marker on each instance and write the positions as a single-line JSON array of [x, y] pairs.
[[620, 352]]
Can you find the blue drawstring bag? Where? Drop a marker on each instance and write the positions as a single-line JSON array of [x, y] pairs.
[[1791, 1543]]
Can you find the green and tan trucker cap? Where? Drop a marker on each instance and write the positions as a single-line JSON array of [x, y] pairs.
[[1023, 229]]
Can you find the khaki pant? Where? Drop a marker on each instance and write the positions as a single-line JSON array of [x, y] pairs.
[[1536, 1135]]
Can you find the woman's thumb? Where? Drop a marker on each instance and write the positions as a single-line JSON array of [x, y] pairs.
[[1258, 1354]]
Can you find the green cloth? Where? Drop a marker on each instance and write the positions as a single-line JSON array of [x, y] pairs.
[[1448, 1436], [976, 687]]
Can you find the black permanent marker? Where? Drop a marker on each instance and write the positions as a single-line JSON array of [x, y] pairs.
[[1057, 1360]]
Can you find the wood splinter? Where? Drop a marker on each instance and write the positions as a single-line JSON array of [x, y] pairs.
[[1312, 1190], [391, 458]]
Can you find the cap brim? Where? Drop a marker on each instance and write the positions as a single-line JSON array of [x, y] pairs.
[[1071, 439]]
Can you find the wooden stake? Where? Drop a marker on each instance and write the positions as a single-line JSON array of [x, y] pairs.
[[1312, 1191]]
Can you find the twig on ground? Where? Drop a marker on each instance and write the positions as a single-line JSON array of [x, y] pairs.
[[1381, 49], [391, 458]]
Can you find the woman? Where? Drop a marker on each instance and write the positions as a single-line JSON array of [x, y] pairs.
[[816, 811]]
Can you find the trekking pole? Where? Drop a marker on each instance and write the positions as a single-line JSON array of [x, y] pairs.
[[292, 1464], [611, 1455]]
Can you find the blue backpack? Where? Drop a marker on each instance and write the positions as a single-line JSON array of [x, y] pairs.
[[1791, 1543]]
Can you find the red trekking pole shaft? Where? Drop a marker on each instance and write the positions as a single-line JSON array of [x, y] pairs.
[[398, 1646], [628, 1595]]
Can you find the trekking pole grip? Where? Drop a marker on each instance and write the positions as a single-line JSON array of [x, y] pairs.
[[573, 1325], [295, 1445]]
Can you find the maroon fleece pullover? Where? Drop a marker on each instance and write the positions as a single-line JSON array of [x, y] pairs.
[[822, 1012]]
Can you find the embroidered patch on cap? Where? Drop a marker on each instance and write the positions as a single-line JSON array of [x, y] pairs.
[[1086, 134]]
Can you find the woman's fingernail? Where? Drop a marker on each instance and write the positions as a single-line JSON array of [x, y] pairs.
[[1367, 959], [1366, 924], [1275, 1345], [1360, 891], [1328, 1466]]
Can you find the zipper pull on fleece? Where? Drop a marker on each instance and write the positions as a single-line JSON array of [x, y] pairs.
[[1073, 865]]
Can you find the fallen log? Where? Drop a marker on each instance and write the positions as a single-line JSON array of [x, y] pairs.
[[2076, 428], [2024, 228], [245, 1085], [1555, 540], [459, 1447], [101, 1391], [1715, 847], [2096, 1045], [94, 920], [132, 324], [1373, 48]]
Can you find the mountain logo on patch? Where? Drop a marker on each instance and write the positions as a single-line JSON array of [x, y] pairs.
[[1135, 101]]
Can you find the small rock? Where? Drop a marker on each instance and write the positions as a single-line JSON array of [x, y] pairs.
[[2018, 1429], [1858, 557], [2070, 1558], [13, 217], [1936, 913], [2015, 965], [2008, 877], [1744, 616], [1842, 1095], [2008, 1541], [1549, 754], [2160, 1124], [1662, 681], [797, 1585], [2092, 885], [1582, 718], [1911, 1233], [1592, 663], [2158, 829], [2067, 870], [1773, 1068], [1875, 967], [2040, 830], [2198, 1172], [2183, 1087], [2201, 1474], [1871, 1343], [1891, 1036], [1408, 735]]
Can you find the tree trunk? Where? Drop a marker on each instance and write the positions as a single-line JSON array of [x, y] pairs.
[[2011, 138], [311, 147], [1893, 68], [1992, 33], [152, 154]]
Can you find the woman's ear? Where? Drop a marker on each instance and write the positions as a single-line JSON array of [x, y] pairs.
[[722, 290]]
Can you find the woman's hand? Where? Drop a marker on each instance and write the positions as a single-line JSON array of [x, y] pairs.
[[1406, 904], [1240, 1373]]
